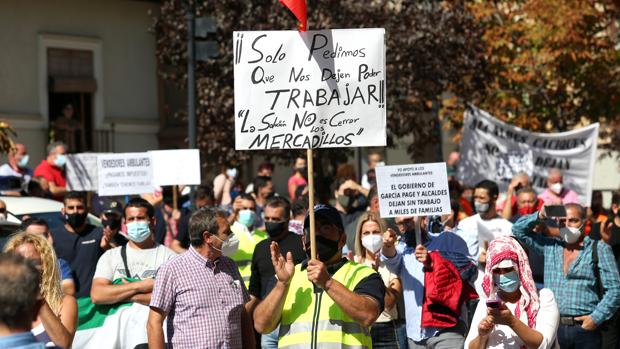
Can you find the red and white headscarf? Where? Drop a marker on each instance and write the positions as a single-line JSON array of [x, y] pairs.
[[506, 248]]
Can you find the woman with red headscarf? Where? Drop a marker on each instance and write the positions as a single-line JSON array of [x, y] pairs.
[[513, 314]]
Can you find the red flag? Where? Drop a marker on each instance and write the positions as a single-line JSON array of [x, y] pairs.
[[298, 8]]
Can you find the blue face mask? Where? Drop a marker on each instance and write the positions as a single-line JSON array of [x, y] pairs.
[[508, 282], [138, 231], [246, 217], [61, 160], [24, 161]]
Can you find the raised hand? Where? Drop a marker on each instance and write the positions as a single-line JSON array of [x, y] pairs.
[[389, 241], [285, 268]]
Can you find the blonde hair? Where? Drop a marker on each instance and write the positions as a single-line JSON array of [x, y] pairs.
[[50, 273], [366, 217]]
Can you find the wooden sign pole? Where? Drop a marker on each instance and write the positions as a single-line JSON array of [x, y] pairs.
[[310, 161]]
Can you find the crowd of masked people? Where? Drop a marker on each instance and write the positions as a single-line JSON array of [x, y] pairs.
[[231, 267]]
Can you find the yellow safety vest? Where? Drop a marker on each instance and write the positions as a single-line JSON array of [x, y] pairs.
[[247, 243], [314, 320]]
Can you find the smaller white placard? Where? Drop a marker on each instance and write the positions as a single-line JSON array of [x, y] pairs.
[[413, 190], [125, 174], [81, 172], [176, 167]]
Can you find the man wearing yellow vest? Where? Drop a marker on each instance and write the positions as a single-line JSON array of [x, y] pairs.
[[326, 303], [244, 211]]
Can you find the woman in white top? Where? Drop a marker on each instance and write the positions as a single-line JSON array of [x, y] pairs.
[[368, 242], [57, 320], [513, 314]]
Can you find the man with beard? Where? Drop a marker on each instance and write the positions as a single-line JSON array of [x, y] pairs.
[[329, 301], [78, 242]]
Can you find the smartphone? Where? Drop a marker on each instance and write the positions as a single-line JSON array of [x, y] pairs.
[[555, 211], [493, 303]]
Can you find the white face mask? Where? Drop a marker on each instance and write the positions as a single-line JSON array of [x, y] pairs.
[[556, 188], [230, 246], [570, 234], [372, 242]]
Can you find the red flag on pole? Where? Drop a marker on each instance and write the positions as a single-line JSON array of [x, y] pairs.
[[298, 8]]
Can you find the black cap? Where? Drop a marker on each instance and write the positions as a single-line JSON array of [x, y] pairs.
[[328, 214], [114, 207]]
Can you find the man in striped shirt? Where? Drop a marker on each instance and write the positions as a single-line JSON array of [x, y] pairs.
[[570, 274]]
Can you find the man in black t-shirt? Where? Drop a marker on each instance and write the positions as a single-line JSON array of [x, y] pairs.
[[78, 243]]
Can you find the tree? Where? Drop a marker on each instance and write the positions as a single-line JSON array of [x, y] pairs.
[[432, 47], [552, 65]]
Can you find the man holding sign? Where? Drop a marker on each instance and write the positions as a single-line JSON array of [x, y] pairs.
[[421, 191], [329, 300]]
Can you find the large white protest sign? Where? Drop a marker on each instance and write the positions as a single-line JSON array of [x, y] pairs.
[[413, 190], [492, 149], [316, 89], [125, 174], [81, 172], [175, 167]]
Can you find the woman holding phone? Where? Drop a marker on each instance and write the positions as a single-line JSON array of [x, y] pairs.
[[513, 314]]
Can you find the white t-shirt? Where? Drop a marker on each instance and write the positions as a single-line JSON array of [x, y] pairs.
[[387, 277], [503, 336], [477, 232], [142, 264]]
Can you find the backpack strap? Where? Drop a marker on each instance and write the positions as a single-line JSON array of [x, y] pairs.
[[124, 257], [597, 272]]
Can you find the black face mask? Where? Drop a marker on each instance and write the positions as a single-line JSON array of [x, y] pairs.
[[409, 237], [75, 220], [325, 248], [275, 228], [113, 223]]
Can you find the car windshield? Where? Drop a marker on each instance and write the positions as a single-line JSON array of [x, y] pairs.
[[55, 219]]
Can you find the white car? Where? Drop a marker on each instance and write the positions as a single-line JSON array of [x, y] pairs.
[[47, 209]]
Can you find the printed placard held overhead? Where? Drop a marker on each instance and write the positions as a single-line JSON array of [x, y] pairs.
[[316, 89], [413, 190], [176, 167], [125, 174]]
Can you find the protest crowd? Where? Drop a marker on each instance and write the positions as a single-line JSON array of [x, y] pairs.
[[229, 266]]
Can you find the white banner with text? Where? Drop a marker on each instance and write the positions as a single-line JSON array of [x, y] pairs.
[[492, 149], [316, 89], [413, 190]]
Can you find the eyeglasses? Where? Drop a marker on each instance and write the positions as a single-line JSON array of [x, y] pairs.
[[2, 209]]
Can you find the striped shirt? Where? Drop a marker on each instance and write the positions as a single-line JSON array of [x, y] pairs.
[[575, 292], [203, 300]]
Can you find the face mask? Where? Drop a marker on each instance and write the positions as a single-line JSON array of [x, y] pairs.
[[275, 228], [344, 201], [75, 220], [325, 248], [296, 227], [409, 237], [111, 222], [2, 217], [556, 188], [24, 161], [526, 210], [303, 170], [61, 160], [570, 234], [230, 246], [482, 207], [231, 172], [372, 243], [138, 231], [508, 282], [246, 217], [435, 225]]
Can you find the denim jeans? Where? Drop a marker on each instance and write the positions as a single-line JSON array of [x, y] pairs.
[[383, 335], [270, 340], [575, 337]]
